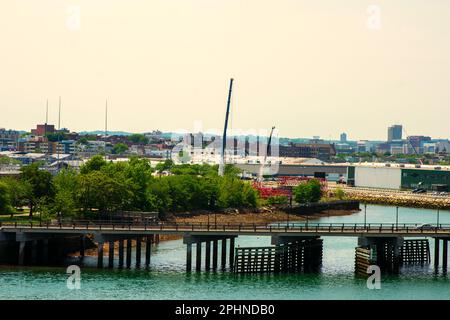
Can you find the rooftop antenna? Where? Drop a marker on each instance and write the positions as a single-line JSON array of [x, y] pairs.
[[46, 119], [224, 138], [106, 124], [59, 127], [106, 118]]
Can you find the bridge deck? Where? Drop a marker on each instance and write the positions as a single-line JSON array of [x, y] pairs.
[[320, 229]]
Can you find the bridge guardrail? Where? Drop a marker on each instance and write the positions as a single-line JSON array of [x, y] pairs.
[[241, 227]]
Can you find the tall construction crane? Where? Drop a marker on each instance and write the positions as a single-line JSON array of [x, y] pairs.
[[224, 137], [413, 147], [261, 168]]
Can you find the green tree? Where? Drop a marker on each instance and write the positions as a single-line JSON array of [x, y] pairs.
[[138, 138], [308, 192], [119, 148], [96, 190], [340, 193], [66, 185], [93, 164], [5, 200], [19, 192], [40, 182], [56, 136], [164, 166]]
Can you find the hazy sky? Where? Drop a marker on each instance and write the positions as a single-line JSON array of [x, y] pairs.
[[309, 67]]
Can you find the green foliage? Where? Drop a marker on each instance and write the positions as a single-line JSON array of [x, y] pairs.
[[340, 193], [96, 190], [94, 164], [138, 138], [19, 191], [104, 187], [40, 182], [119, 148], [308, 192], [164, 166], [233, 192], [5, 200], [277, 200], [56, 136], [4, 160]]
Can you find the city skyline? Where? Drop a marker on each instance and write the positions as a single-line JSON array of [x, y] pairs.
[[306, 68]]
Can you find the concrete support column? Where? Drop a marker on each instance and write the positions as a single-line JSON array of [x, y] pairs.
[[189, 257], [128, 253], [444, 254], [138, 251], [231, 253], [224, 253], [198, 258], [436, 253], [148, 250], [208, 256], [34, 247], [121, 253], [111, 254], [156, 238], [100, 255], [215, 253], [82, 246], [21, 253]]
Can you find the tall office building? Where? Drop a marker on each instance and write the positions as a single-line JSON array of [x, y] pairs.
[[395, 132], [343, 137]]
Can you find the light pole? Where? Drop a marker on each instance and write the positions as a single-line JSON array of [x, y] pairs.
[[437, 218], [396, 219], [365, 214]]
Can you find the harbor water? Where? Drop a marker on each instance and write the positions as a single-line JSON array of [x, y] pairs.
[[167, 278]]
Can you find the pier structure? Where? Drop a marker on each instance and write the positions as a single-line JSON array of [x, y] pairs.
[[210, 245], [295, 247]]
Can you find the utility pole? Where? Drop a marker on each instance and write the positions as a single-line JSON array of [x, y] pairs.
[[59, 128], [224, 137], [365, 214], [106, 125]]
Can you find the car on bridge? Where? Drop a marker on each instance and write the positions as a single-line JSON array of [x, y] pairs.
[[426, 227]]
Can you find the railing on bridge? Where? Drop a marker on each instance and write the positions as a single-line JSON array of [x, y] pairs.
[[233, 227]]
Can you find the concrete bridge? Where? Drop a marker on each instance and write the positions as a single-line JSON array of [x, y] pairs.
[[29, 237]]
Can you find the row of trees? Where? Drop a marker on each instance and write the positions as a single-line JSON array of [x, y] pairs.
[[103, 187]]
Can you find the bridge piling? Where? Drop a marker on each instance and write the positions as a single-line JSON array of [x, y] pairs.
[[444, 254], [138, 251], [198, 256], [382, 252], [111, 254], [189, 257], [224, 254], [436, 253], [232, 242], [82, 246], [100, 254], [121, 253], [208, 256], [215, 252], [148, 250], [128, 252]]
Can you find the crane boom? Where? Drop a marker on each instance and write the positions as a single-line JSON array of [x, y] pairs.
[[261, 169], [224, 137]]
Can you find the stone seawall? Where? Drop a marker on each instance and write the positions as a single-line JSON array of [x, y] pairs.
[[401, 200]]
